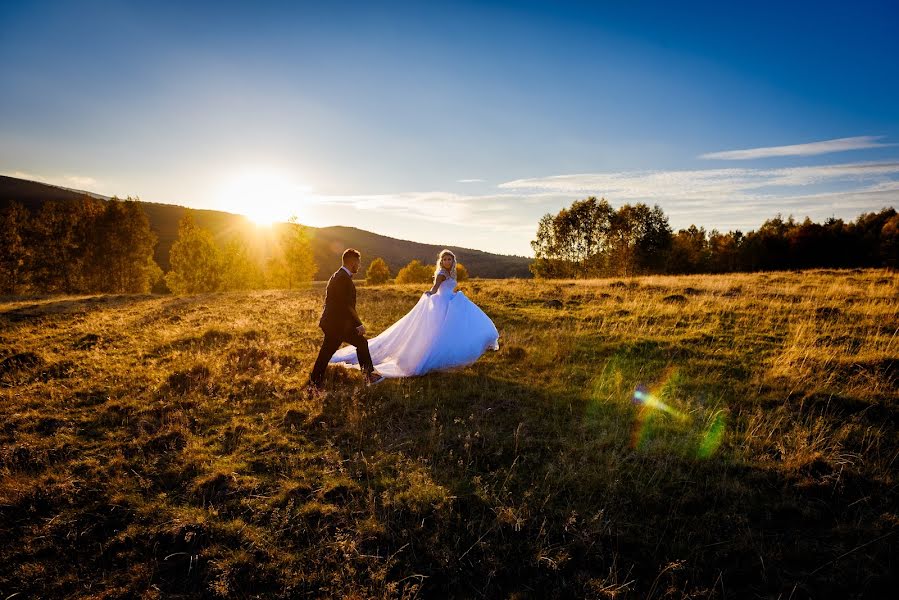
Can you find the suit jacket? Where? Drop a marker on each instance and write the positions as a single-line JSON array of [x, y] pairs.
[[339, 316]]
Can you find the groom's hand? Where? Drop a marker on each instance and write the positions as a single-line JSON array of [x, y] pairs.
[[361, 330]]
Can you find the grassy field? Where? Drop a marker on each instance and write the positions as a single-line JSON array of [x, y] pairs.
[[661, 437]]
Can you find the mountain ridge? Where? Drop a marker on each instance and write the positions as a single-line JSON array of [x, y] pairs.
[[327, 242]]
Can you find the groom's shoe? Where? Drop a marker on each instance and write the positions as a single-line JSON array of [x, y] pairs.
[[373, 378]]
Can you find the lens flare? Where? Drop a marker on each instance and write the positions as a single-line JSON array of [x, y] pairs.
[[650, 402], [644, 398], [713, 436], [702, 428]]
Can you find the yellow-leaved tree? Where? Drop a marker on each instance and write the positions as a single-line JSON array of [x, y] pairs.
[[378, 272], [296, 248], [415, 272], [461, 272], [195, 261], [240, 270]]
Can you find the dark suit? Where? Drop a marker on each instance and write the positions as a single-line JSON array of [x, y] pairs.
[[339, 322]]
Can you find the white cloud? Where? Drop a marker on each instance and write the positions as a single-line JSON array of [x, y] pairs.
[[469, 180], [709, 184], [729, 198], [503, 212], [715, 198], [21, 175], [79, 181], [838, 145]]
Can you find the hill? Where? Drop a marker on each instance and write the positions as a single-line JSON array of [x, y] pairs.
[[327, 242], [664, 437]]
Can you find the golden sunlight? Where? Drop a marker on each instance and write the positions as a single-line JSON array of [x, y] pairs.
[[263, 195]]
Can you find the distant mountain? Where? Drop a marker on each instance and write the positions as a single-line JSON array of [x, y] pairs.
[[327, 242]]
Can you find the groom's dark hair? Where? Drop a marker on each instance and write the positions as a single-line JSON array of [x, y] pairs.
[[350, 252]]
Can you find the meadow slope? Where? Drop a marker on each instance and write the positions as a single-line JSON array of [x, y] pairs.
[[661, 437]]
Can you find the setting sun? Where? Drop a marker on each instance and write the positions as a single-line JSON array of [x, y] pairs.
[[264, 196]]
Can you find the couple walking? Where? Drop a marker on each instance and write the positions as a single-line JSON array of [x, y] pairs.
[[443, 330]]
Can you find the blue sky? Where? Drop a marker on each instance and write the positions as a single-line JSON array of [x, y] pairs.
[[458, 123]]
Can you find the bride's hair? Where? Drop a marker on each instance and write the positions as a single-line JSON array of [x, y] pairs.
[[443, 253]]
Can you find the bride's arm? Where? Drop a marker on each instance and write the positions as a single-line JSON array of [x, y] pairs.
[[437, 281]]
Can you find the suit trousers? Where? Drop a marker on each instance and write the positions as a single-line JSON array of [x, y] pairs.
[[329, 347]]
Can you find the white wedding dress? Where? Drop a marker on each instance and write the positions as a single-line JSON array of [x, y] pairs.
[[442, 331]]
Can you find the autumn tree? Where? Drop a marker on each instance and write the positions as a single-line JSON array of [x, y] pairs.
[[639, 240], [724, 251], [14, 251], [591, 239], [415, 272], [240, 271], [574, 242], [889, 242], [549, 256], [196, 265], [120, 254], [378, 272], [59, 236], [296, 252], [461, 272], [275, 273], [689, 251]]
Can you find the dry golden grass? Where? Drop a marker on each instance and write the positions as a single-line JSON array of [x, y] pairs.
[[159, 446]]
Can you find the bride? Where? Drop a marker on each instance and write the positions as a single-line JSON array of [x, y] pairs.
[[444, 329]]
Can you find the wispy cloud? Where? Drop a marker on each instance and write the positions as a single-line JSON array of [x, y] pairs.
[[838, 145], [21, 175], [498, 212], [469, 180], [79, 181], [723, 185], [723, 198]]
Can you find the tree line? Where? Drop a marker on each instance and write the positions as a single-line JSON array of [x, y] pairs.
[[87, 245], [414, 272], [106, 246], [592, 239], [199, 264]]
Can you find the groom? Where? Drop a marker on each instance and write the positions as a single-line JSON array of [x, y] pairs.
[[340, 322]]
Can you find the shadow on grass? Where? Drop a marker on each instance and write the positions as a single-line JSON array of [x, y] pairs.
[[545, 494]]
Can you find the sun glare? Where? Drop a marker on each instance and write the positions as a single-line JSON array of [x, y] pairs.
[[264, 196]]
